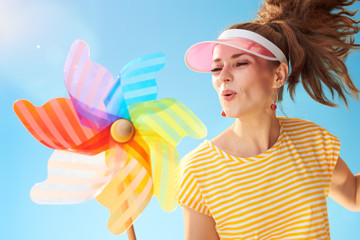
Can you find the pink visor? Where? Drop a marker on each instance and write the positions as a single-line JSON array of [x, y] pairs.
[[199, 56]]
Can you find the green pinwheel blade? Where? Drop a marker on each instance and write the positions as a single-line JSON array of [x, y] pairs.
[[162, 124], [167, 118]]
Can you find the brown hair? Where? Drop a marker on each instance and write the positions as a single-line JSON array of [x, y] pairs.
[[316, 36]]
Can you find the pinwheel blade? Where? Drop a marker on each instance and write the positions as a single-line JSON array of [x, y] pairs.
[[56, 125], [162, 124], [136, 82], [167, 118], [164, 159], [73, 178], [128, 193], [88, 84]]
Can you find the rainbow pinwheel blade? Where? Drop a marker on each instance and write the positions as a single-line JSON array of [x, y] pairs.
[[89, 84], [167, 118], [129, 192], [136, 82], [164, 159], [56, 125], [162, 124], [72, 178]]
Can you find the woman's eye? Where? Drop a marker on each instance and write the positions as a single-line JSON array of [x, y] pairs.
[[239, 64], [216, 69]]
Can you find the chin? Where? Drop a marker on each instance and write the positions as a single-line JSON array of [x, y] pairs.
[[237, 114], [231, 114]]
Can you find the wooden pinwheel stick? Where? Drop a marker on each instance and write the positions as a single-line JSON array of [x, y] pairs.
[[131, 233], [122, 131]]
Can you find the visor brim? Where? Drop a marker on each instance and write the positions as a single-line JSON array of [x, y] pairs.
[[199, 56]]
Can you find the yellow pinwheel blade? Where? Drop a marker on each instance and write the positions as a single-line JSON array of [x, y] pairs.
[[162, 124], [128, 193], [164, 159]]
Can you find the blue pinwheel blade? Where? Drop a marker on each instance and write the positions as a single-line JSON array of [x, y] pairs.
[[136, 83]]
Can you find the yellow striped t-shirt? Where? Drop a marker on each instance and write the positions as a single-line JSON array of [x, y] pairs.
[[279, 194]]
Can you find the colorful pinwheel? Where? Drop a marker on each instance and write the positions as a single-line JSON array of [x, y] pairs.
[[113, 140]]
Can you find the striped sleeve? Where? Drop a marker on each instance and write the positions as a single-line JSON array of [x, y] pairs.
[[187, 189], [332, 150]]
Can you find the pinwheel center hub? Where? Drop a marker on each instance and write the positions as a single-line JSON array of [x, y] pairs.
[[122, 130]]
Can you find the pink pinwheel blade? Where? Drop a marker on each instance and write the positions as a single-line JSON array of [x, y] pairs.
[[88, 84]]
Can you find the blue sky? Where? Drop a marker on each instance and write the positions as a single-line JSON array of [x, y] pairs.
[[35, 36]]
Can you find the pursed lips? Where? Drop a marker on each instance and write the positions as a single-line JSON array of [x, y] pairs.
[[228, 94]]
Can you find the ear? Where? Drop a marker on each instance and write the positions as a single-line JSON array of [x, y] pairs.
[[281, 74]]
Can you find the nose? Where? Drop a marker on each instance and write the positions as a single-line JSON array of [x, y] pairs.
[[225, 74]]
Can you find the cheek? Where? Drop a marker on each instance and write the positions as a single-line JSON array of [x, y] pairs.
[[215, 84], [261, 78], [255, 86]]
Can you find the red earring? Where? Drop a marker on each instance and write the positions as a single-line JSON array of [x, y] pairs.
[[223, 114], [273, 105]]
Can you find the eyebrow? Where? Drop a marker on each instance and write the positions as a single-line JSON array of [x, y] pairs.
[[232, 57]]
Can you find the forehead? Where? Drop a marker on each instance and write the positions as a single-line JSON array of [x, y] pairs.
[[222, 52]]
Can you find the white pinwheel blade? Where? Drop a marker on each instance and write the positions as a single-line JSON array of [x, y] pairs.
[[72, 178]]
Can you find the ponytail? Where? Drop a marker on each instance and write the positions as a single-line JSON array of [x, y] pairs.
[[316, 36]]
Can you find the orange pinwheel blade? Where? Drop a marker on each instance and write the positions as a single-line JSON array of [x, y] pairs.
[[128, 193], [56, 125]]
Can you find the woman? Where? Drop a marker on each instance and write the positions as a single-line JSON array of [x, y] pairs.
[[268, 177]]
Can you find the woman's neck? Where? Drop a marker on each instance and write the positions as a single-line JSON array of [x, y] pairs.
[[249, 137]]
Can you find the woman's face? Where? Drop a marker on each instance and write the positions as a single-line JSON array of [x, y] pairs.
[[244, 82]]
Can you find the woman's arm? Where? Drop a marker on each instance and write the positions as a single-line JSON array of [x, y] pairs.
[[345, 187], [198, 226]]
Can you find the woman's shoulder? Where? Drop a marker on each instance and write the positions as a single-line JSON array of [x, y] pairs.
[[289, 123], [297, 126], [196, 157]]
